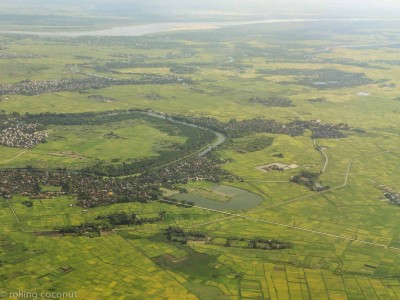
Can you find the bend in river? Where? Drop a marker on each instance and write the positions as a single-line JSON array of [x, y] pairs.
[[220, 138]]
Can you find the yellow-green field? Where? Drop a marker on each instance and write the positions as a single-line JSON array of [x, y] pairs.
[[81, 145], [345, 240]]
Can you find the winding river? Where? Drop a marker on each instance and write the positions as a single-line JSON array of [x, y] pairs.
[[239, 199], [219, 140]]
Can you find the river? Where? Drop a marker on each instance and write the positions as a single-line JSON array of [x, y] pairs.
[[239, 200], [152, 28], [219, 140]]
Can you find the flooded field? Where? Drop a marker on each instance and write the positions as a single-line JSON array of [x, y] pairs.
[[239, 199]]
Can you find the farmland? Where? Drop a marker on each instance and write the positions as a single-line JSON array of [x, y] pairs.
[[325, 102]]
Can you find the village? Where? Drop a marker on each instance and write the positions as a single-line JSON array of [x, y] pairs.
[[22, 135], [235, 128], [92, 190], [31, 88], [18, 55]]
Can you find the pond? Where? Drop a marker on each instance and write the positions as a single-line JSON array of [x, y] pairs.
[[240, 199]]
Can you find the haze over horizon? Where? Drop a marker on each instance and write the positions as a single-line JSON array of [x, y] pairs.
[[178, 9]]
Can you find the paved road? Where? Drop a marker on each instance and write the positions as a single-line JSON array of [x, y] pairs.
[[323, 153], [233, 215], [313, 194]]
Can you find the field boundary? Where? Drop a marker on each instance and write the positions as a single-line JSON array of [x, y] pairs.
[[293, 227]]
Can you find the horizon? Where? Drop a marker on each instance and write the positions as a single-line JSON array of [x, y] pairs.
[[223, 8]]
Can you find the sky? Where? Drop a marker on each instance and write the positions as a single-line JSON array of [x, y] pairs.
[[270, 8]]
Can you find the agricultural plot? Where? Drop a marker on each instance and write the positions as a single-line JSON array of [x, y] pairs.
[[344, 239], [79, 146]]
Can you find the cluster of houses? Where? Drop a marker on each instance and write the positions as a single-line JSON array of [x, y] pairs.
[[323, 130], [272, 101], [143, 57], [135, 57], [235, 128], [325, 78], [176, 234], [30, 88], [18, 55], [155, 97], [92, 190], [164, 79], [22, 135], [3, 45], [328, 131], [101, 98], [392, 196], [196, 169], [309, 180], [176, 55], [277, 167]]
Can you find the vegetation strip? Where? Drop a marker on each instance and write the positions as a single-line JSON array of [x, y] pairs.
[[294, 227]]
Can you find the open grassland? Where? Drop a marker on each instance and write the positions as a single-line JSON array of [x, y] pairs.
[[78, 146], [345, 239]]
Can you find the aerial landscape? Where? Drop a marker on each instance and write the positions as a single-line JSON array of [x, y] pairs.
[[178, 150]]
